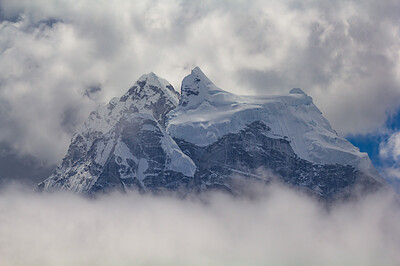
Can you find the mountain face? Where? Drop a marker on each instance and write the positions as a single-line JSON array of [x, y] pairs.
[[125, 145], [152, 139]]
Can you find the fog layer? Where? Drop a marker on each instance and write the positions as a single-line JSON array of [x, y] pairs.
[[280, 227]]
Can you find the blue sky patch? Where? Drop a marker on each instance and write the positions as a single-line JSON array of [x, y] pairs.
[[369, 143]]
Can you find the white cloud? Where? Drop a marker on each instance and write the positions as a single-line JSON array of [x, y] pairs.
[[390, 153], [393, 172], [391, 148], [280, 227], [344, 54]]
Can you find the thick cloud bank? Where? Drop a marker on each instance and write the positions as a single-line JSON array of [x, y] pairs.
[[280, 227], [59, 58]]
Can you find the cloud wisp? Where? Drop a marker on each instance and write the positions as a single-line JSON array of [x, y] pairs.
[[280, 227]]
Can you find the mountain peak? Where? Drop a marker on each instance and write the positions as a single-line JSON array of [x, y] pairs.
[[200, 75], [297, 91], [152, 87], [154, 80], [196, 88]]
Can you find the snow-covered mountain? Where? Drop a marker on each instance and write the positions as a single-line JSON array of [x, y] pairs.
[[151, 139]]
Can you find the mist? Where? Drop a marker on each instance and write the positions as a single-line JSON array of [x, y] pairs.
[[278, 227]]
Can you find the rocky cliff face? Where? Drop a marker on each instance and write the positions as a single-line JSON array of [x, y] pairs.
[[151, 139]]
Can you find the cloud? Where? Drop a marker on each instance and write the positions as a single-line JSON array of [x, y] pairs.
[[391, 149], [280, 227], [53, 53], [389, 152], [24, 169]]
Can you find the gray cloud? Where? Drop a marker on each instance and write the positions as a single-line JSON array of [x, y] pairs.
[[23, 169], [280, 227], [343, 53]]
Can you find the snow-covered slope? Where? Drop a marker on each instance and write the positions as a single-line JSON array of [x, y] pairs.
[[206, 113]]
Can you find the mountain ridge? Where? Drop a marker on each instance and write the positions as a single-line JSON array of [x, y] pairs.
[[152, 139]]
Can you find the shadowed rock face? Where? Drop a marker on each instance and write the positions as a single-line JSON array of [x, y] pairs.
[[126, 146]]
